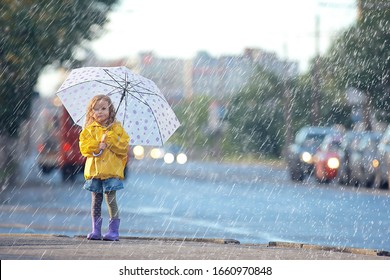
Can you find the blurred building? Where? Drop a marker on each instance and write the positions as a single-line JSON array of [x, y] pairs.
[[220, 77], [217, 77], [167, 73], [271, 63]]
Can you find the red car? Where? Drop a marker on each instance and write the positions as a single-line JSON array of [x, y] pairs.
[[71, 161], [327, 158], [59, 148]]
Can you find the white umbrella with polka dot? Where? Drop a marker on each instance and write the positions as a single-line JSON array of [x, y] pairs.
[[141, 108]]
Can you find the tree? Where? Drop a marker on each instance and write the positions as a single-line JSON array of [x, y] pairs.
[[36, 33], [360, 57], [256, 116], [193, 116]]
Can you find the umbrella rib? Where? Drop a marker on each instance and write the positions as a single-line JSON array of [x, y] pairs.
[[112, 77], [125, 114], [144, 88], [107, 84], [146, 93], [159, 131], [101, 82]]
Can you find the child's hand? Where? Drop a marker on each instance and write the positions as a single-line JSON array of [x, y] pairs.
[[102, 146]]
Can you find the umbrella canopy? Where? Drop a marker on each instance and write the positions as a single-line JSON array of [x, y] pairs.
[[141, 108]]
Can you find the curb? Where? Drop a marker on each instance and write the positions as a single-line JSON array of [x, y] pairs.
[[271, 244], [359, 251], [185, 239]]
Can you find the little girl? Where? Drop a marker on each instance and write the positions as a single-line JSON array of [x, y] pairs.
[[104, 143]]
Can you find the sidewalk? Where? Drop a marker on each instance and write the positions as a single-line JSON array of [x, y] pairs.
[[52, 247]]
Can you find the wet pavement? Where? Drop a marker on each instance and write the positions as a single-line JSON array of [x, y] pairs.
[[28, 246], [54, 247]]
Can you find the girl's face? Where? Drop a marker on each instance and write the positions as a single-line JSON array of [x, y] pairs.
[[101, 111]]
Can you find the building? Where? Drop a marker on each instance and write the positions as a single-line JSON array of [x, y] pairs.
[[167, 73], [217, 77]]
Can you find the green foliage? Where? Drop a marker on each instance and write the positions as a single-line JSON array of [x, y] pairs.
[[255, 116], [193, 116], [36, 33], [257, 120], [333, 106], [360, 57]]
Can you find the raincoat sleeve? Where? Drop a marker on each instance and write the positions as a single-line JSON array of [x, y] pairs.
[[118, 140], [88, 144]]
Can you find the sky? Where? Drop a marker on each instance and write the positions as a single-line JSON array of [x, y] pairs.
[[181, 28]]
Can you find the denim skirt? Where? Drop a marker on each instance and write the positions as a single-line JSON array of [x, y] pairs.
[[101, 186]]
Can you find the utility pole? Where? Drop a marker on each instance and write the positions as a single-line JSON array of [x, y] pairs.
[[365, 106], [315, 114], [359, 10], [287, 110], [286, 76]]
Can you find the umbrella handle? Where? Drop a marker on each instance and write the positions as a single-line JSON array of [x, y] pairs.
[[101, 141], [98, 154]]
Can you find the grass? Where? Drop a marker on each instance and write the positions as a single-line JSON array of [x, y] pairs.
[[250, 160]]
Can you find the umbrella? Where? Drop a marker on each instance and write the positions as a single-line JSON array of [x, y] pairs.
[[140, 107]]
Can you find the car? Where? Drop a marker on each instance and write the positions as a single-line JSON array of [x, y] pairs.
[[362, 170], [349, 142], [169, 153], [47, 145], [381, 163], [327, 158], [299, 155], [59, 145], [71, 162]]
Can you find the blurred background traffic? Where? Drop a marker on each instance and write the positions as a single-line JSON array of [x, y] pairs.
[[253, 106]]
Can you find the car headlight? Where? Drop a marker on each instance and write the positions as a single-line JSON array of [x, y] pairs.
[[333, 163], [181, 158], [375, 163], [307, 157], [139, 152], [169, 158], [156, 153]]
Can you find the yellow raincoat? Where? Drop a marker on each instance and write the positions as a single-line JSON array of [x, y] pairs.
[[111, 163]]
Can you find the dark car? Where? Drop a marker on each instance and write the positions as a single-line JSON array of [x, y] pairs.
[[326, 159], [382, 161], [362, 170], [349, 143], [300, 154]]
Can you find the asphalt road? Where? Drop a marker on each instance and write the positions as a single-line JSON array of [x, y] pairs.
[[250, 204]]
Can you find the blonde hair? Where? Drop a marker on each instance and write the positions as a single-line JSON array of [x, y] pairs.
[[90, 113]]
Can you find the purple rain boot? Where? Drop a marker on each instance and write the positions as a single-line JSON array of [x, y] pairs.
[[113, 231], [96, 233]]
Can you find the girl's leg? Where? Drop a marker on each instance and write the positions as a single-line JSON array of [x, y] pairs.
[[111, 204], [96, 205], [96, 212], [113, 226]]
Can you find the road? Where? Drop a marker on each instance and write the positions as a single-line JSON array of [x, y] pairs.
[[251, 204]]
